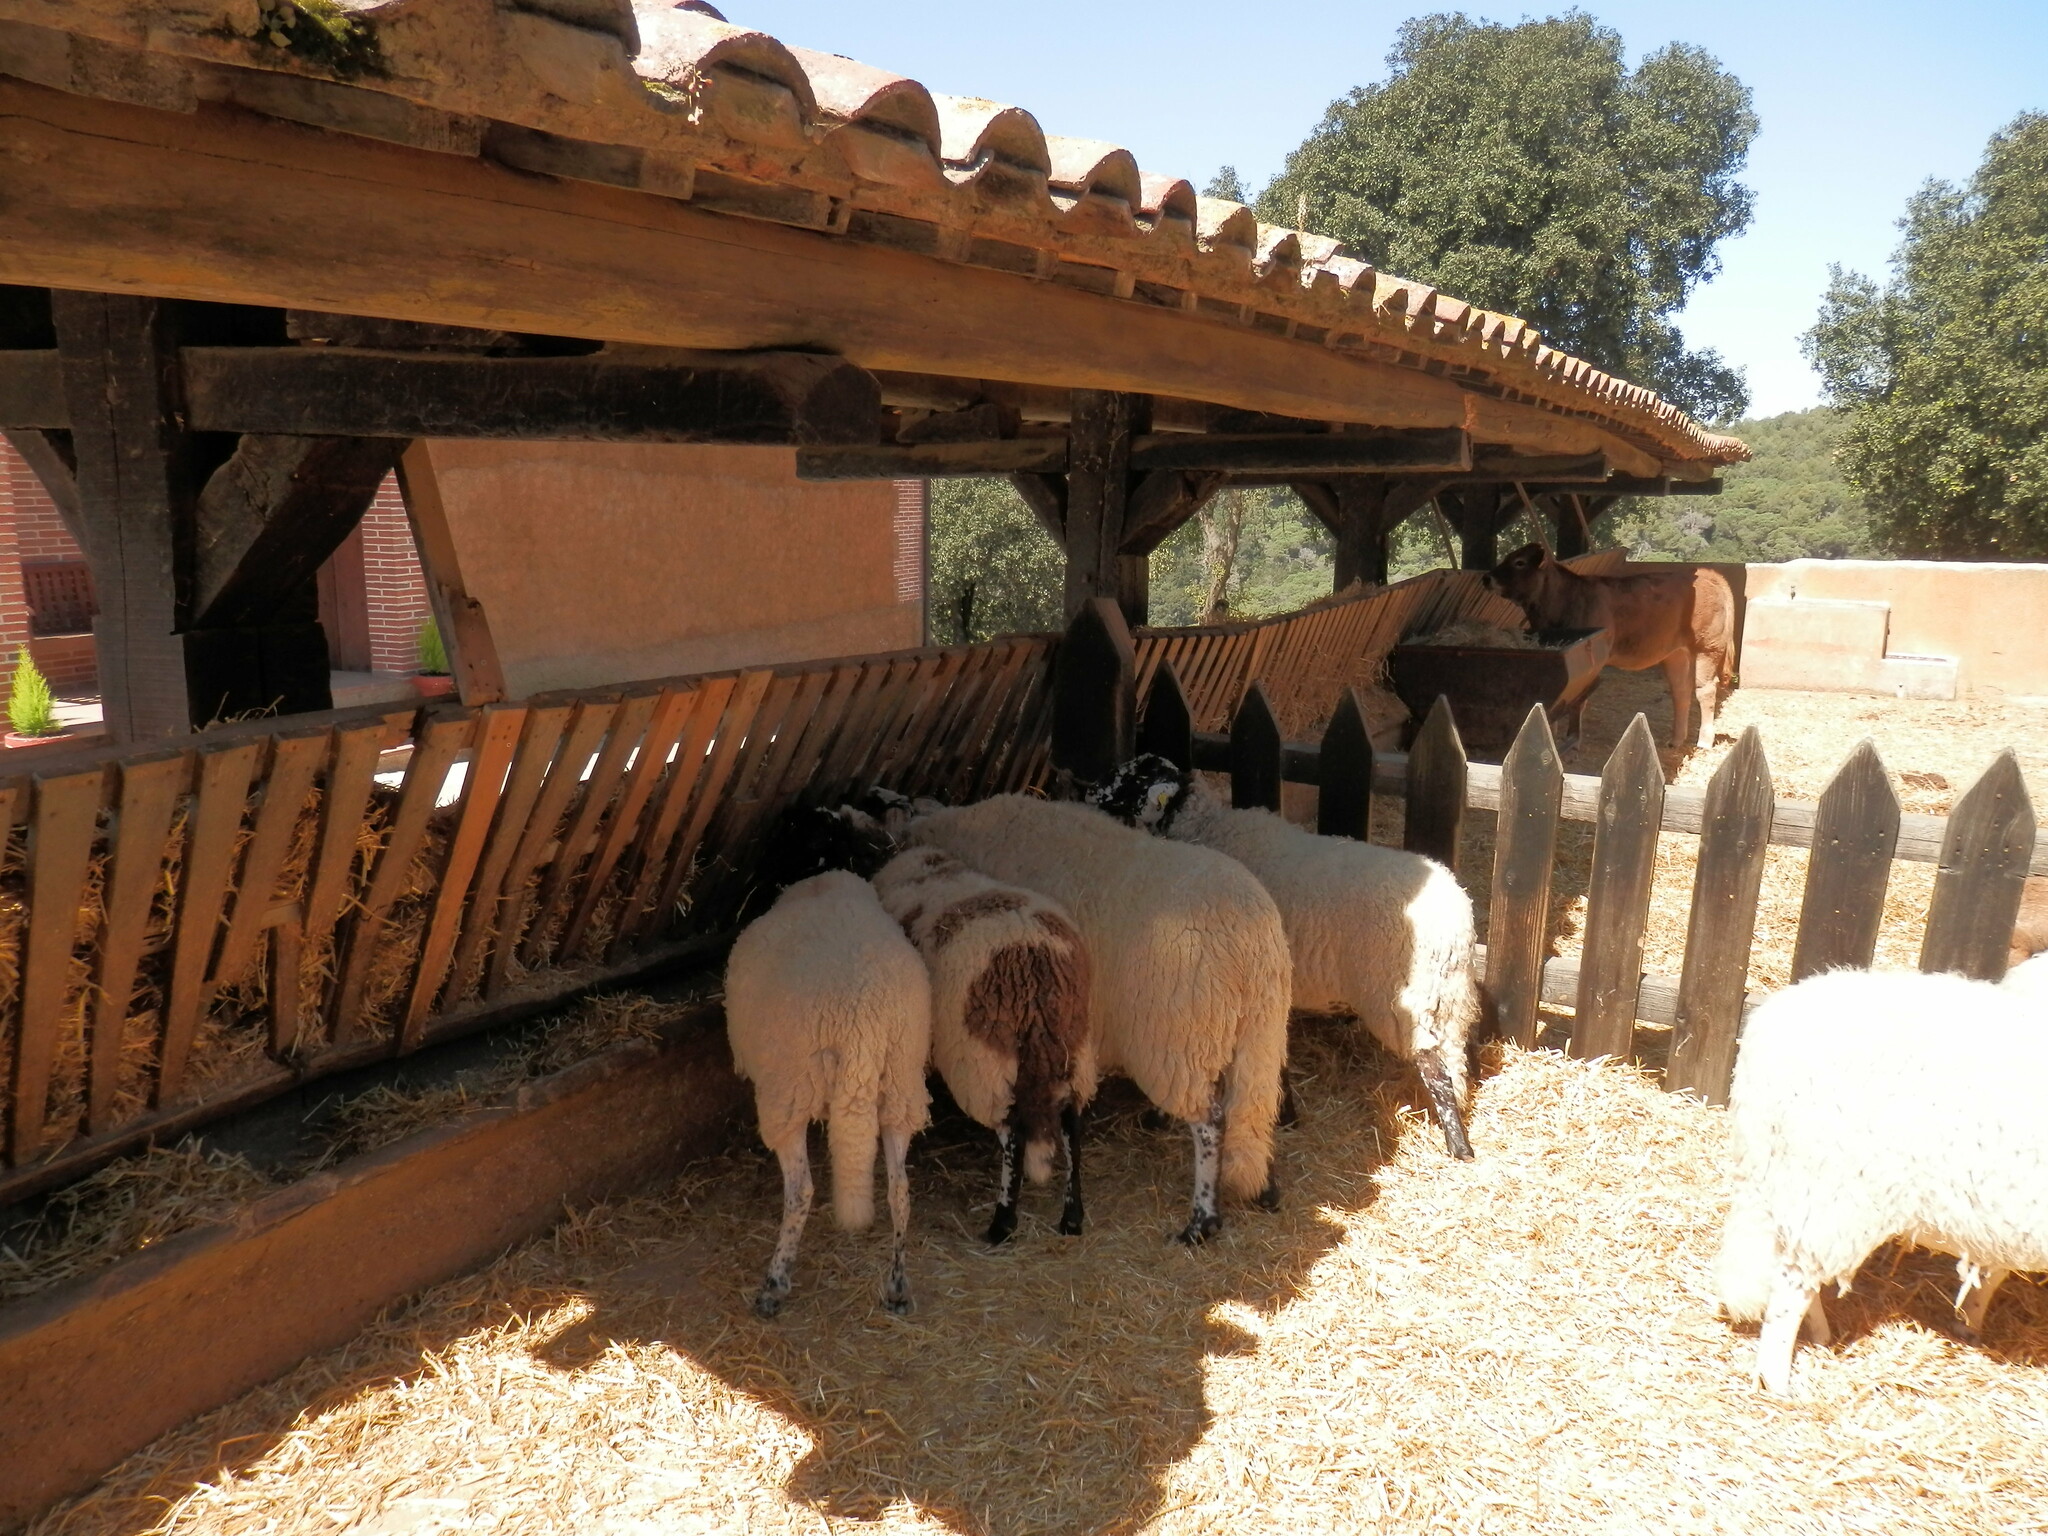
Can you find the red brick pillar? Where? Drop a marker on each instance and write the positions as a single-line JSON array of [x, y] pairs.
[[18, 485]]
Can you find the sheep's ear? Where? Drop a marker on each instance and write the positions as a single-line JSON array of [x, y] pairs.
[[1161, 796]]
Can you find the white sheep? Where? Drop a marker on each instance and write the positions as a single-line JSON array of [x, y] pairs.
[[1188, 965], [1877, 1105], [828, 1010], [1010, 1030], [1377, 933], [2029, 978]]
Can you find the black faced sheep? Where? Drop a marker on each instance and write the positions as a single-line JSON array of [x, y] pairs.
[[1870, 1106], [828, 1011], [1188, 965], [1377, 933], [1009, 1014]]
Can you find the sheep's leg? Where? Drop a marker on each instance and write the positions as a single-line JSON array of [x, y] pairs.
[[1817, 1330], [1071, 1213], [1443, 1099], [795, 1158], [1973, 1297], [895, 1148], [1791, 1301], [1678, 678], [1290, 1112], [1204, 1222], [1009, 1183]]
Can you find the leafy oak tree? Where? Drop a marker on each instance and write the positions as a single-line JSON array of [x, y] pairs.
[[1528, 169], [1944, 370], [994, 570]]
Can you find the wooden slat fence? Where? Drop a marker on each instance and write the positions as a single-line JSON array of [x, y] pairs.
[[1984, 853], [184, 932]]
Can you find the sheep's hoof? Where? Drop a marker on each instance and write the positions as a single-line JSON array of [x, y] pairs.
[[768, 1300], [1269, 1197], [1155, 1119], [1003, 1227], [1070, 1221], [896, 1302], [1199, 1230]]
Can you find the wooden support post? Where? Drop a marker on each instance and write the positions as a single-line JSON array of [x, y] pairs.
[[137, 488], [1479, 513], [1570, 528], [472, 653], [1095, 686], [1098, 487]]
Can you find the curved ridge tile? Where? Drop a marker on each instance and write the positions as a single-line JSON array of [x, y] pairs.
[[1078, 167], [972, 129], [848, 91], [1220, 222], [681, 49], [1166, 197]]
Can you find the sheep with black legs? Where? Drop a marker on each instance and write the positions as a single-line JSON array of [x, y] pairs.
[[828, 1011], [1872, 1105], [1383, 935], [1188, 970], [1010, 1029]]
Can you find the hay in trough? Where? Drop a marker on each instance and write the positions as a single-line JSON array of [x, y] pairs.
[[122, 1209], [1481, 635], [1525, 1344]]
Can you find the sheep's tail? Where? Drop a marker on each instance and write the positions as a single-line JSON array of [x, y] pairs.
[[1251, 1083], [1042, 993], [1746, 1269], [853, 1133]]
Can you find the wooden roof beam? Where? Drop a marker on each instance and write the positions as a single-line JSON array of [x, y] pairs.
[[1302, 455]]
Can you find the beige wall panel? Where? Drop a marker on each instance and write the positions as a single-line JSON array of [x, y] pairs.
[[601, 562]]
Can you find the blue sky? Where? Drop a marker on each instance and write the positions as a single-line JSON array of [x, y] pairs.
[[1860, 102]]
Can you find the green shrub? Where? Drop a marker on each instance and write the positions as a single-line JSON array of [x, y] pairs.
[[31, 710], [433, 653]]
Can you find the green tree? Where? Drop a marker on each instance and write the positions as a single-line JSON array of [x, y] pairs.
[[1528, 169], [994, 570], [1259, 551], [1944, 370]]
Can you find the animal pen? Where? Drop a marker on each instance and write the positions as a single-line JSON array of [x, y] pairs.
[[249, 271]]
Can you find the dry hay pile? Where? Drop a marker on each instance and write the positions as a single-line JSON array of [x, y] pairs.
[[1933, 750], [1478, 633], [1524, 1344]]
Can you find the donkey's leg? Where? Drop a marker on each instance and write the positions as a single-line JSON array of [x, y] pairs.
[[1678, 678], [795, 1158]]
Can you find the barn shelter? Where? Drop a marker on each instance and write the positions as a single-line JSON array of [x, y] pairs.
[[257, 250]]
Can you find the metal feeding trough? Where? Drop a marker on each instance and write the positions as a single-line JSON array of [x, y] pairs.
[[1491, 687]]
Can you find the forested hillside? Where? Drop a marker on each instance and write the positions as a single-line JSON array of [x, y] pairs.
[[1789, 502]]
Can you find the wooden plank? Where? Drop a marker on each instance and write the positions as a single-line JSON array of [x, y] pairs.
[[497, 738], [472, 652], [566, 871], [650, 858], [664, 725], [65, 822], [1167, 729], [287, 990], [1448, 449], [821, 736], [1524, 857], [1855, 831], [295, 761], [1435, 811], [1255, 754], [1344, 772], [911, 699], [539, 738], [1618, 895], [1094, 694], [733, 729], [982, 741], [344, 803], [1019, 737], [762, 397], [856, 735], [957, 717], [588, 722], [935, 461], [963, 746], [440, 743], [1723, 922], [1982, 875], [150, 789], [214, 824]]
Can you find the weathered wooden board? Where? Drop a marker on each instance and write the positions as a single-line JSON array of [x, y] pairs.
[[1524, 855], [1618, 895]]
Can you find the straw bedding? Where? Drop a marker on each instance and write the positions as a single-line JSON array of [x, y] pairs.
[[1522, 1344]]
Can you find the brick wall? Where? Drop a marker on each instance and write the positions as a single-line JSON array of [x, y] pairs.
[[913, 508], [394, 591], [20, 492]]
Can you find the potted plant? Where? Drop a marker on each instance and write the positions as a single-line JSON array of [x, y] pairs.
[[31, 711], [433, 681]]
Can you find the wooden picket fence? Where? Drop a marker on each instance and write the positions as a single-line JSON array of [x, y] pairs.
[[1983, 851], [188, 931], [1305, 660]]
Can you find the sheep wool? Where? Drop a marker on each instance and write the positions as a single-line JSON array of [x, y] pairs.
[[1868, 1106], [1378, 933], [828, 1010], [1189, 963]]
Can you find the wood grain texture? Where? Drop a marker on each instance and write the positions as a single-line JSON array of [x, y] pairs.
[[213, 824], [1855, 833], [1618, 895], [733, 727], [1524, 856], [295, 761], [1982, 875], [63, 824], [1722, 923], [472, 652], [1436, 788]]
